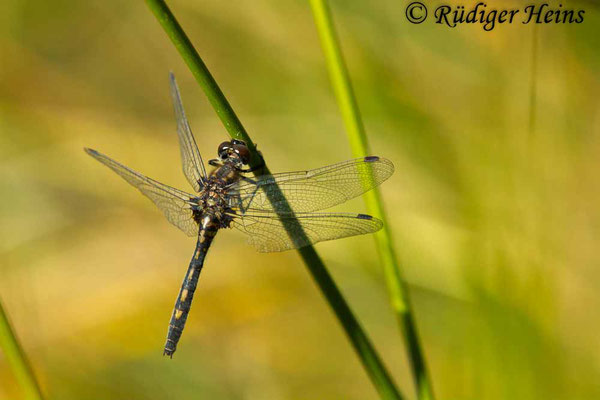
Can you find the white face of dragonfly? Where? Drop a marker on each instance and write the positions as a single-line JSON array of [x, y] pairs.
[[235, 151]]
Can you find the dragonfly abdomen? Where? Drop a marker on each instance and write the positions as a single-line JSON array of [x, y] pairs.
[[208, 230]]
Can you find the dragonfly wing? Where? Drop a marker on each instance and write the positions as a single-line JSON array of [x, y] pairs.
[[174, 203], [191, 161], [313, 190], [267, 231]]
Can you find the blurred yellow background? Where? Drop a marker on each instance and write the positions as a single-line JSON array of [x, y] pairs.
[[495, 218]]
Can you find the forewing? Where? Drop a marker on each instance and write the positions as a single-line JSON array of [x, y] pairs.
[[174, 203], [191, 161], [313, 190], [267, 231]]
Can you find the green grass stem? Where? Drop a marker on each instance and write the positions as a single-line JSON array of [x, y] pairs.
[[15, 356], [359, 339], [398, 290]]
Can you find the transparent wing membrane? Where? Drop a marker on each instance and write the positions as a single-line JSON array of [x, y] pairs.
[[312, 190], [259, 207], [172, 202], [191, 161], [267, 231]]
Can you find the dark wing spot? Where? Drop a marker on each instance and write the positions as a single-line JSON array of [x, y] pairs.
[[90, 151], [371, 158], [364, 216]]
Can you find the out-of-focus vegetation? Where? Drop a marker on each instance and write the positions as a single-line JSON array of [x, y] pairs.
[[496, 225]]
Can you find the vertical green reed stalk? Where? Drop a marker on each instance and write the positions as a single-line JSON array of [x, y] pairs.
[[357, 137], [366, 352], [15, 356]]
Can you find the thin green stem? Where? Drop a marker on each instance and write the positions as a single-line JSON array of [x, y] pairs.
[[15, 356], [398, 290], [362, 345]]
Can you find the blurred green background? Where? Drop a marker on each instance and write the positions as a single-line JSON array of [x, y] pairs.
[[495, 217]]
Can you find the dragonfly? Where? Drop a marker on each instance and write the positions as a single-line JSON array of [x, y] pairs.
[[276, 212]]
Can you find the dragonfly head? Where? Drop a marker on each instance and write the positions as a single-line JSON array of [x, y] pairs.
[[235, 151]]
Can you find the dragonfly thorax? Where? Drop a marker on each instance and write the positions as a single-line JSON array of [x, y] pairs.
[[212, 202], [212, 197]]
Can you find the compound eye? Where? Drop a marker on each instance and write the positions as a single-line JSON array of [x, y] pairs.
[[223, 147], [242, 151]]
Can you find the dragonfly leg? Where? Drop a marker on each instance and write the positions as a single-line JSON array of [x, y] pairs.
[[259, 166], [249, 180], [215, 162]]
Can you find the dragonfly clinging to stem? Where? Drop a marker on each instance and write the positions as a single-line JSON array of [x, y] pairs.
[[277, 212]]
